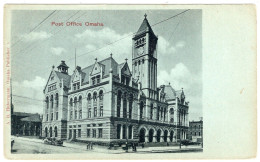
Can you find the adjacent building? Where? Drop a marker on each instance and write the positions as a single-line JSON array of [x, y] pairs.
[[109, 101], [196, 131]]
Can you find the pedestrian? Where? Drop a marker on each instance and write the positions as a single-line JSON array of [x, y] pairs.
[[91, 145], [133, 146], [87, 146]]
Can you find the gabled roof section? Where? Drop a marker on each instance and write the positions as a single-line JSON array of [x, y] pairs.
[[106, 64], [66, 78], [144, 27], [170, 92]]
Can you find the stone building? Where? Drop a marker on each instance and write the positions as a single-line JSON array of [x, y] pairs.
[[114, 102]]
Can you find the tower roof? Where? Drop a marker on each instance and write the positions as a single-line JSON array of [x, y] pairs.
[[63, 64], [145, 27]]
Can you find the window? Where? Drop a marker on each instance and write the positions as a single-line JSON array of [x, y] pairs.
[[171, 120], [94, 133], [199, 133], [95, 96], [93, 81], [71, 114], [47, 102], [95, 111], [80, 114], [141, 110], [130, 107], [195, 133], [79, 133], [122, 79], [88, 132], [78, 85], [98, 79], [47, 116], [101, 111], [127, 81], [57, 117], [75, 114], [158, 111], [151, 112], [74, 87], [119, 95], [101, 95], [124, 106], [100, 133], [89, 113], [51, 116], [57, 100]]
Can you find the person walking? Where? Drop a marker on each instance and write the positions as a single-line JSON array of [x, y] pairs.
[[87, 146], [91, 145]]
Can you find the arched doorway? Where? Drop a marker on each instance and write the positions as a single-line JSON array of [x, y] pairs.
[[56, 132], [50, 131], [165, 136], [158, 136], [171, 136], [46, 132], [142, 135], [151, 135]]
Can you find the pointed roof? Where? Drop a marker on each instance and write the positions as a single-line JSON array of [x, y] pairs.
[[145, 26]]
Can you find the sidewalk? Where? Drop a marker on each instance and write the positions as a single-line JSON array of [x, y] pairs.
[[103, 149]]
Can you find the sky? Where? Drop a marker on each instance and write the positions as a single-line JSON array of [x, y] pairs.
[[37, 45]]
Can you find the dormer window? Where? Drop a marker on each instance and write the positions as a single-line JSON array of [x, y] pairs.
[[76, 86], [95, 80]]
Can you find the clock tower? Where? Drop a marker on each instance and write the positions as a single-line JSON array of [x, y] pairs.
[[144, 54]]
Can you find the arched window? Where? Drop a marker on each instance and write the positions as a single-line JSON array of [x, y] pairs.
[[95, 96], [47, 102], [51, 101], [151, 111], [171, 120], [158, 113], [55, 132], [95, 103], [171, 111], [141, 109], [101, 103], [75, 108], [119, 96], [89, 105], [57, 100], [80, 107]]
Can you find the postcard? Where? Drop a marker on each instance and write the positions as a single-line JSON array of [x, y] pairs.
[[129, 81]]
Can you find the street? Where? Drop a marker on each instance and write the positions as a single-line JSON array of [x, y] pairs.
[[24, 145]]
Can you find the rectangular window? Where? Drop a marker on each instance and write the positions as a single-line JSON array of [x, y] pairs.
[[93, 81], [51, 116], [79, 133], [95, 111], [101, 111], [88, 132], [74, 87], [100, 133], [94, 133], [78, 85], [98, 79], [57, 117], [89, 113], [47, 117]]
